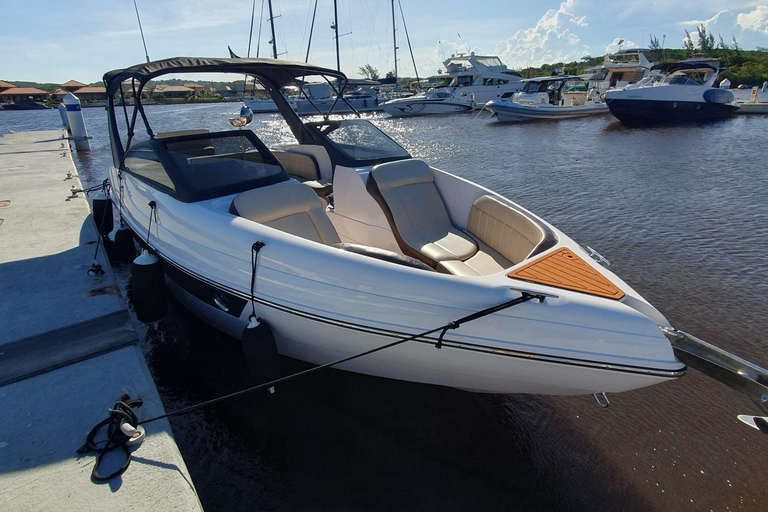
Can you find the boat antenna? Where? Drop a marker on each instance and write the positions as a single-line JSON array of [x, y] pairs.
[[261, 22], [250, 32], [410, 48], [462, 41], [146, 53], [311, 29], [272, 23], [394, 37], [336, 32]]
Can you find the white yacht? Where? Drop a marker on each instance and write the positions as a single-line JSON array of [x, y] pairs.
[[480, 78], [620, 70], [686, 94], [354, 254], [441, 100]]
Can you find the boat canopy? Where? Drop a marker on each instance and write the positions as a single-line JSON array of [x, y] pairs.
[[671, 67], [276, 72]]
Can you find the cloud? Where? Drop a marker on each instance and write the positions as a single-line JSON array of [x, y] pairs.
[[550, 41], [620, 43], [756, 20]]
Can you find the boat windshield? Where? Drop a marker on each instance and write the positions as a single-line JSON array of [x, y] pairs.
[[360, 140], [201, 165]]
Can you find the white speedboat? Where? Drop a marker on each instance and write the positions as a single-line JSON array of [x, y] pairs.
[[434, 101], [545, 98], [481, 78], [686, 94], [342, 243], [322, 98]]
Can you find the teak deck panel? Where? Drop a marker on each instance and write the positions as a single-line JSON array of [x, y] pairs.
[[564, 269]]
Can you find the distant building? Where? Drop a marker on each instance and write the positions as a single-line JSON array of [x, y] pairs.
[[172, 91], [4, 86], [68, 87], [97, 93], [10, 93]]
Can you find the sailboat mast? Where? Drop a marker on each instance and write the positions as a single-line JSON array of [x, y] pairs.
[[394, 39], [272, 24], [336, 30]]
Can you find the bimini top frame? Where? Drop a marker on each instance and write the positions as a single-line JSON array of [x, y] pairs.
[[273, 75]]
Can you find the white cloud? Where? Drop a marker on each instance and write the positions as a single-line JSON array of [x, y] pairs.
[[756, 20], [550, 41], [620, 43]]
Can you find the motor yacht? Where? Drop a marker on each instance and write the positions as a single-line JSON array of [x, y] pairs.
[[481, 78], [686, 94]]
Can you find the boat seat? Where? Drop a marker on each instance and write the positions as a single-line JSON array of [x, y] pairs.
[[406, 192], [505, 238], [200, 147], [304, 168], [290, 207]]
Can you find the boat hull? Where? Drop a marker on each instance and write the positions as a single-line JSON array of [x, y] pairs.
[[641, 111], [515, 113], [568, 344], [320, 340], [399, 108]]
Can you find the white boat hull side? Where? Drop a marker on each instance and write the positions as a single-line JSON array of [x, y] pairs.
[[421, 361], [260, 106], [513, 112], [399, 108]]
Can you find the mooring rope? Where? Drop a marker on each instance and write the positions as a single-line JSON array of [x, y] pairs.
[[524, 297]]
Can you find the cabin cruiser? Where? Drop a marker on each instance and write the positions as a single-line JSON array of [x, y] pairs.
[[547, 98], [686, 94], [353, 252], [619, 70], [480, 78], [441, 100]]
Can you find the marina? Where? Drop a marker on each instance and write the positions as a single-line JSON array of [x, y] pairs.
[[662, 246]]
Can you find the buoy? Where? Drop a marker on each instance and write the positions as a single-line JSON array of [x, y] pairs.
[[124, 249], [260, 351], [102, 214], [76, 122], [148, 288]]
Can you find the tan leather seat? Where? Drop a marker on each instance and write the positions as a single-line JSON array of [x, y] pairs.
[[406, 192], [290, 207], [505, 238]]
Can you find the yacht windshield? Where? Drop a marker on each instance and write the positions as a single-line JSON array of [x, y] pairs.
[[360, 140]]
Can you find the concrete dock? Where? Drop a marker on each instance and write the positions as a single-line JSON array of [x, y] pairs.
[[67, 348]]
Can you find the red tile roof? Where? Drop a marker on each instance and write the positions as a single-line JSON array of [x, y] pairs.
[[6, 85], [18, 91], [72, 83]]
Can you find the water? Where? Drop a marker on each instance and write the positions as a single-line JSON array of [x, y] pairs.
[[682, 214]]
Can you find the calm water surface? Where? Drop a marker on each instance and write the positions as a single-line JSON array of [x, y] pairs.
[[682, 214]]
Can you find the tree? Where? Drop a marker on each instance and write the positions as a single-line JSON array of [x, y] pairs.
[[654, 45], [688, 43], [390, 74], [706, 41], [369, 72]]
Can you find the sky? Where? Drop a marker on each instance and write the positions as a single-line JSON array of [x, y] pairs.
[[51, 41]]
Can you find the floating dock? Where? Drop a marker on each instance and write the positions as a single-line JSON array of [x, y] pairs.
[[67, 348]]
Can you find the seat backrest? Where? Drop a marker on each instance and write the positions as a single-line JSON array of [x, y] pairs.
[[504, 229], [406, 192], [301, 166], [290, 207]]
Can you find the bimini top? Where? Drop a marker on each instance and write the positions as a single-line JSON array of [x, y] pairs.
[[671, 67], [277, 72]]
